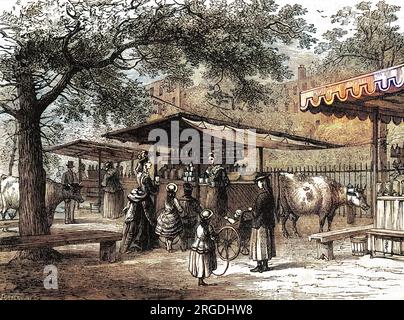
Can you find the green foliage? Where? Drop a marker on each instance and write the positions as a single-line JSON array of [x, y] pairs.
[[367, 39], [85, 55]]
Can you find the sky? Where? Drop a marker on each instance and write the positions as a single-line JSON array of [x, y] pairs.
[[331, 7]]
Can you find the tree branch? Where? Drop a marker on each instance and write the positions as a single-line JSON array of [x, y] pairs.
[[109, 60], [6, 36], [8, 110], [66, 41], [52, 95], [8, 85]]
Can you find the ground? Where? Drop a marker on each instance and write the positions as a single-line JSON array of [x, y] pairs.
[[157, 274]]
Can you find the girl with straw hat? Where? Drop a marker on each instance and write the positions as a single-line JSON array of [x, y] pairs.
[[202, 258], [169, 224]]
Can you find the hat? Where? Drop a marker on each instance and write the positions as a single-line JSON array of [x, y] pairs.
[[206, 214], [171, 187], [188, 188], [109, 164], [261, 177], [137, 195], [143, 155], [70, 164]]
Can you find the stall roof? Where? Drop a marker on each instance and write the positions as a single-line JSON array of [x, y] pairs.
[[264, 138], [91, 150], [359, 96]]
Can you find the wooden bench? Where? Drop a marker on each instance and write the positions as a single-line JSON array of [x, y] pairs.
[[325, 240], [5, 224], [391, 242], [107, 240]]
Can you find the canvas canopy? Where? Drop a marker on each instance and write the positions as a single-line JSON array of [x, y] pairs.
[[217, 128]]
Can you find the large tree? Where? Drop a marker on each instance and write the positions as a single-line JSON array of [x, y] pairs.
[[367, 38], [83, 58]]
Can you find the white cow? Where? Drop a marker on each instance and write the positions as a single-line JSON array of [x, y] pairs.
[[9, 195]]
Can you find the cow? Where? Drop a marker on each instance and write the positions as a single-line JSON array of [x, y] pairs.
[[55, 194], [304, 195]]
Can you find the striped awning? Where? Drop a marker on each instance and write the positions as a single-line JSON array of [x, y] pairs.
[[358, 97]]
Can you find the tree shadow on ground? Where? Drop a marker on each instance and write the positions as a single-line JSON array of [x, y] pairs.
[[289, 265]]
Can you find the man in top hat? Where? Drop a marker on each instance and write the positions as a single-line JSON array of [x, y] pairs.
[[68, 178], [262, 240]]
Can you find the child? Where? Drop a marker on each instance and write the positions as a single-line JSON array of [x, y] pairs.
[[169, 224], [202, 258]]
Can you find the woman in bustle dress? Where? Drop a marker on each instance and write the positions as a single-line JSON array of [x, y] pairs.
[[142, 221], [202, 257], [113, 193], [136, 228], [169, 224]]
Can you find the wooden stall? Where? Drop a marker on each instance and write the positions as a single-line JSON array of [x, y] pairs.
[[99, 153], [242, 190], [377, 96]]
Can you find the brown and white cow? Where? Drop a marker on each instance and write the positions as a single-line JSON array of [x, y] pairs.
[[305, 195]]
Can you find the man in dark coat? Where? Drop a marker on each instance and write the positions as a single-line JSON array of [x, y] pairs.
[[217, 195], [262, 241], [68, 178], [192, 209]]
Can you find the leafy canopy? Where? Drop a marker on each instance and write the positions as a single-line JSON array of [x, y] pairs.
[[367, 39], [84, 57]]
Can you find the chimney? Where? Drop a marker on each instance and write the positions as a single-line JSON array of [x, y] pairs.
[[301, 74]]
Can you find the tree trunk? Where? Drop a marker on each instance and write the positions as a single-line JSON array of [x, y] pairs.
[[13, 150], [33, 219], [32, 176]]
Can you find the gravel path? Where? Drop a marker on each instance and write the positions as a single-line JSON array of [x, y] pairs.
[[158, 274]]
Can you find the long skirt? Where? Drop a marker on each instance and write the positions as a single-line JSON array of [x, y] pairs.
[[137, 234], [262, 244], [169, 225], [113, 204], [201, 265], [216, 200]]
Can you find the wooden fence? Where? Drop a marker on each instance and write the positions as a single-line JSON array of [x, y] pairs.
[[354, 174]]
